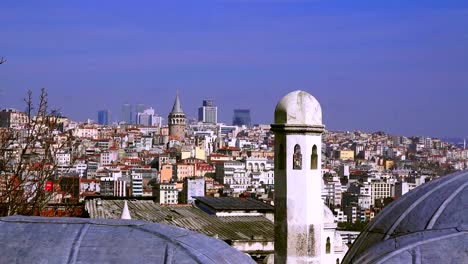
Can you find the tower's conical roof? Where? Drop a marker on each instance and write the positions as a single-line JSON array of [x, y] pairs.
[[177, 108]]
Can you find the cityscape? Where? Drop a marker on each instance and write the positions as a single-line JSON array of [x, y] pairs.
[[233, 132], [198, 166]]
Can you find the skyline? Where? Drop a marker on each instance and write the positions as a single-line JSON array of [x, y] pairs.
[[398, 67]]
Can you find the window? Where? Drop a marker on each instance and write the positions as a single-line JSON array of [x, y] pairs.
[[327, 246], [297, 158], [314, 158], [337, 261]]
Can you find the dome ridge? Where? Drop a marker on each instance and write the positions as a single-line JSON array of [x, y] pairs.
[[431, 218], [436, 216], [419, 200]]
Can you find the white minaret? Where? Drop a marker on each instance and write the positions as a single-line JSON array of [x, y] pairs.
[[298, 204]]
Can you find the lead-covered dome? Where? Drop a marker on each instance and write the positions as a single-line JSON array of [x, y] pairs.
[[298, 108], [427, 225], [79, 240]]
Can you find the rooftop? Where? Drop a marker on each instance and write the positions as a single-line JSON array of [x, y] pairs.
[[229, 228], [232, 203]]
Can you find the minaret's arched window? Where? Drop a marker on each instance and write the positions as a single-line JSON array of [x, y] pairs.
[[314, 158], [337, 261], [327, 246], [297, 158], [281, 158]]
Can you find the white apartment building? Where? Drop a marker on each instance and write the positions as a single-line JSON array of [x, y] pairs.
[[63, 158], [86, 132], [166, 193], [80, 168], [332, 193], [137, 184], [107, 157], [260, 170], [233, 174], [240, 175]]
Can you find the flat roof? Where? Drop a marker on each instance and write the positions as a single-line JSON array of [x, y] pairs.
[[233, 203]]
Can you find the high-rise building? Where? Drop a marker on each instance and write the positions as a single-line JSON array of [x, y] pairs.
[[208, 113], [177, 120], [148, 118], [139, 108], [103, 117], [241, 117], [127, 113]]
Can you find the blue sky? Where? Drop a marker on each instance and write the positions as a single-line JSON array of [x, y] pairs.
[[397, 66]]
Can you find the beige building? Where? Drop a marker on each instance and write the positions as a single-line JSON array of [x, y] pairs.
[[185, 170], [344, 154], [200, 153], [12, 118]]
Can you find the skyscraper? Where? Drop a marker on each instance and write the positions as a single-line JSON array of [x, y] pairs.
[[241, 117], [139, 108], [103, 117], [127, 113], [148, 118], [208, 113]]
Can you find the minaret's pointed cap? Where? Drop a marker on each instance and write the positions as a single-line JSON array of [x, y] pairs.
[[126, 212], [177, 108]]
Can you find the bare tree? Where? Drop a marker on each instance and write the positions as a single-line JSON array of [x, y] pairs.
[[28, 158], [2, 60]]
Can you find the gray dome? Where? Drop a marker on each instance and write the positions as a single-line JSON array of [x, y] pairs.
[[79, 240], [427, 225], [328, 217], [298, 108]]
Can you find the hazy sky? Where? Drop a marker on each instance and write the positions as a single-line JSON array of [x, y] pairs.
[[397, 66]]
